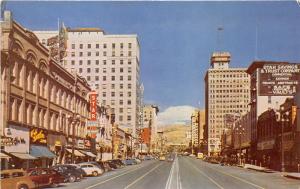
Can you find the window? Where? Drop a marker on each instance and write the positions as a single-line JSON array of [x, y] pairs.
[[129, 78], [73, 46], [113, 70], [97, 53], [121, 110], [121, 102], [129, 53], [80, 70], [121, 78], [97, 78], [120, 118], [104, 94], [17, 174], [113, 45], [129, 45], [121, 94], [121, 53], [80, 53], [104, 78], [121, 45], [89, 46], [88, 78], [113, 78], [104, 46], [121, 86], [80, 62], [73, 62], [129, 69], [129, 94], [88, 70], [113, 62], [113, 53], [104, 70], [128, 102], [97, 62], [89, 53], [121, 62], [104, 53], [81, 46], [121, 70], [129, 62], [72, 54], [112, 86], [89, 62], [128, 118], [113, 94], [104, 62], [97, 70], [97, 46], [129, 86]]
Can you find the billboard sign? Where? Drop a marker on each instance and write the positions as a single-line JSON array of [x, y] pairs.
[[281, 79], [20, 137]]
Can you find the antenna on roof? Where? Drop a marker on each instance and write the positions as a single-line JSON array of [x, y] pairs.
[[256, 42], [219, 41]]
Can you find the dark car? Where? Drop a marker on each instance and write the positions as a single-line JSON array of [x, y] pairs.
[[78, 168], [113, 164], [129, 162], [45, 177], [71, 173], [119, 162]]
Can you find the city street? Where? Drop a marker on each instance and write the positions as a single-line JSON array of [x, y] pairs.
[[185, 173]]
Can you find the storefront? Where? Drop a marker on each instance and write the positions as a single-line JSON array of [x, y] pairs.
[[267, 154], [19, 150], [39, 149]]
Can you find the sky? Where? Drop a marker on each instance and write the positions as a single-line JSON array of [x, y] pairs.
[[178, 38]]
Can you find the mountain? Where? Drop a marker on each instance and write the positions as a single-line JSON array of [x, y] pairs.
[[176, 134]]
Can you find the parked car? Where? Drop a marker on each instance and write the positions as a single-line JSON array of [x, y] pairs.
[[70, 172], [45, 177], [129, 162], [15, 179], [91, 169], [113, 165], [147, 158], [119, 162], [78, 168], [94, 163], [138, 161]]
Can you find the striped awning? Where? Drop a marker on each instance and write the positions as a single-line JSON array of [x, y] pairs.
[[4, 156], [88, 153], [22, 155], [76, 152], [41, 152]]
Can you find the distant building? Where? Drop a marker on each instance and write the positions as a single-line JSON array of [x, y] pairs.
[[226, 92], [150, 121]]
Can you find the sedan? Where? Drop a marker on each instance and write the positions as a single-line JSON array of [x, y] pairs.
[[91, 169], [16, 179], [45, 177], [70, 173]]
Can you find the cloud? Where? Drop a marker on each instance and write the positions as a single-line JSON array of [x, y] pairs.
[[177, 115]]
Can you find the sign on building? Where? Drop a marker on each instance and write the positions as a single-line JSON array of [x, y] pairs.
[[92, 123], [280, 79]]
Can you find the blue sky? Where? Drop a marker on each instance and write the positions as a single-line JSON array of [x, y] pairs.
[[177, 38]]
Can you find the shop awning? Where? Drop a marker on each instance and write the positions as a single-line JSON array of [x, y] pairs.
[[41, 152], [4, 156], [76, 152], [88, 153], [22, 155]]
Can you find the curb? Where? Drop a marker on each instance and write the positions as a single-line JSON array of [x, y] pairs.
[[292, 177]]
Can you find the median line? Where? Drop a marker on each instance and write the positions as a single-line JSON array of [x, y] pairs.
[[138, 179], [124, 173]]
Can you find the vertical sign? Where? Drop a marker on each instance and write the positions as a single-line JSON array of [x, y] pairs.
[[93, 105]]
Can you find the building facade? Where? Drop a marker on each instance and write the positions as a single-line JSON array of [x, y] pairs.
[[111, 65], [226, 92], [150, 121], [45, 107]]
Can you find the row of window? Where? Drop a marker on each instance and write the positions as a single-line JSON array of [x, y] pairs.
[[113, 78], [97, 46], [97, 53], [97, 62], [104, 70], [241, 75], [121, 94], [240, 80]]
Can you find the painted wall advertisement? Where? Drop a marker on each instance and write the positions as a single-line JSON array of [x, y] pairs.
[[20, 137], [279, 79]]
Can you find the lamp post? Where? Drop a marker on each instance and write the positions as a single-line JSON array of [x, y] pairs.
[[283, 118]]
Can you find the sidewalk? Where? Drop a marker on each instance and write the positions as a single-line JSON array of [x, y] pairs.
[[266, 170]]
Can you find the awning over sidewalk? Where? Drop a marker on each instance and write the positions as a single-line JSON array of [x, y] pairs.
[[88, 153], [76, 152], [22, 155], [4, 156], [41, 152]]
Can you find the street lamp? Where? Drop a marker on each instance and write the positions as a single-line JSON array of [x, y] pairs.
[[282, 117], [74, 120]]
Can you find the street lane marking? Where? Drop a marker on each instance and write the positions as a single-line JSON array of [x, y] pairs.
[[212, 180], [138, 179], [170, 175], [124, 173], [238, 178]]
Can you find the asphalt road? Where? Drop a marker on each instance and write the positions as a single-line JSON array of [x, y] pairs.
[[184, 173]]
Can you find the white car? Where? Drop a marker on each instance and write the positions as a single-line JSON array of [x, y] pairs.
[[91, 169]]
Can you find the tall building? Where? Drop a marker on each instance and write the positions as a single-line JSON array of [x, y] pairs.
[[195, 127], [111, 65], [226, 93], [150, 120]]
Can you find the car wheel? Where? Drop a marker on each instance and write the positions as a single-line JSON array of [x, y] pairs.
[[72, 179], [95, 173], [23, 187]]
